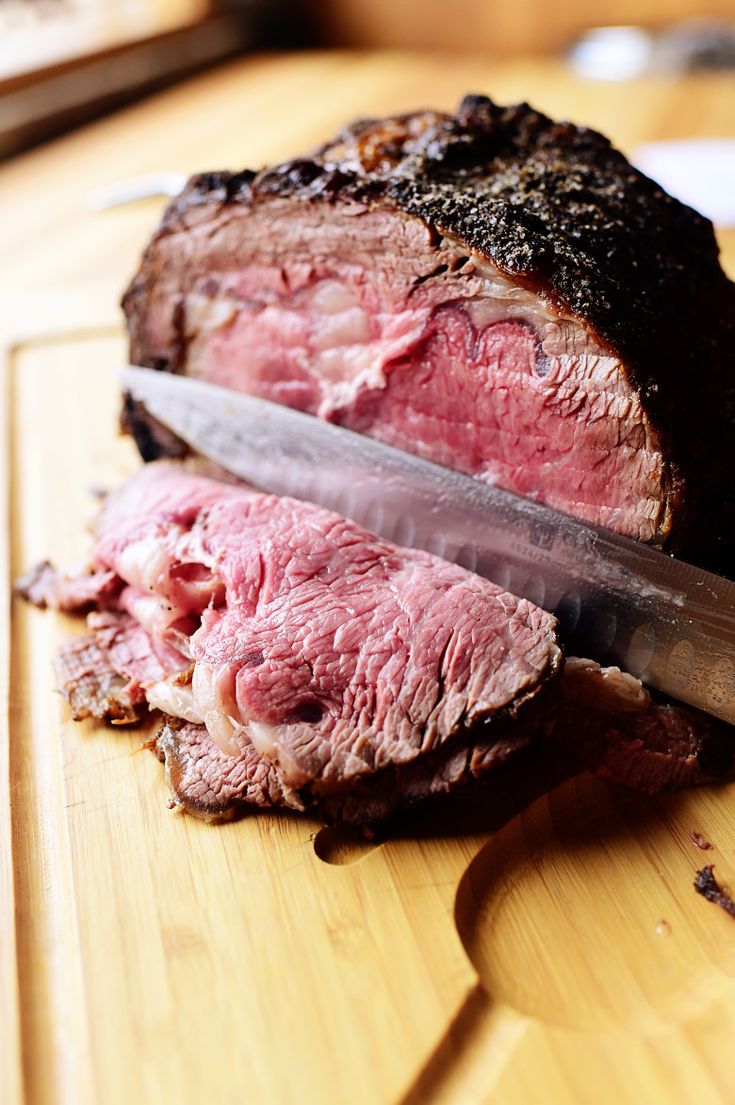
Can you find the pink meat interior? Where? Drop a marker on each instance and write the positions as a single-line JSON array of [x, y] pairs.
[[358, 316], [332, 651]]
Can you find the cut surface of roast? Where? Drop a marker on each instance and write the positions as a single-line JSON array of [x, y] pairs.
[[495, 291]]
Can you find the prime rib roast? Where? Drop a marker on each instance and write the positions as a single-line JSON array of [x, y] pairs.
[[495, 291], [302, 661]]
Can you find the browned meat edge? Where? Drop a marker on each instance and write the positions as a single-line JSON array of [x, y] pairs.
[[199, 776], [91, 685]]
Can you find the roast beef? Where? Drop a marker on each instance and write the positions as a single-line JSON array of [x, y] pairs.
[[496, 291], [304, 662]]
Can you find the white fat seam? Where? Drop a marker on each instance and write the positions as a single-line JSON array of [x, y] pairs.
[[143, 562], [331, 297], [223, 727], [177, 701], [154, 613], [501, 286], [205, 313], [223, 731], [147, 609]]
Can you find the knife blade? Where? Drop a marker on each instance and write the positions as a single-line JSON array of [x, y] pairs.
[[617, 601]]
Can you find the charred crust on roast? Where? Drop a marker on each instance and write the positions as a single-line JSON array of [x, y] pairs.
[[178, 342], [227, 187], [200, 190], [297, 173]]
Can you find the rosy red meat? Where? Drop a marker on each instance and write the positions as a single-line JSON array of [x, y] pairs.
[[464, 368], [131, 650], [333, 652]]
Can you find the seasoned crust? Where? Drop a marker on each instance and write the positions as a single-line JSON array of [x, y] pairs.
[[558, 209]]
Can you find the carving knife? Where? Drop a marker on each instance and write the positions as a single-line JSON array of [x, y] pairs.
[[617, 601]]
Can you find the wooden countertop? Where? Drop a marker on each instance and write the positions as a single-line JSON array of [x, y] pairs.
[[152, 959]]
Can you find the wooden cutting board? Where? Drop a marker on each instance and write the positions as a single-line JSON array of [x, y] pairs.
[[554, 955]]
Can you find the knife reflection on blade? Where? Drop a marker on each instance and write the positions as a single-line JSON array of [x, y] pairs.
[[618, 601]]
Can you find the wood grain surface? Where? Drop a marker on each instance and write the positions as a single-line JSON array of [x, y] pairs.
[[553, 955]]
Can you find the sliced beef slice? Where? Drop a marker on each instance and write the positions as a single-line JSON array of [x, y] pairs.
[[334, 652], [93, 686], [604, 718], [103, 673], [611, 724], [44, 586], [493, 290], [210, 783]]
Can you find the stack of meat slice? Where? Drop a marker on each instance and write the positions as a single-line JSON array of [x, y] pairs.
[[304, 662]]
